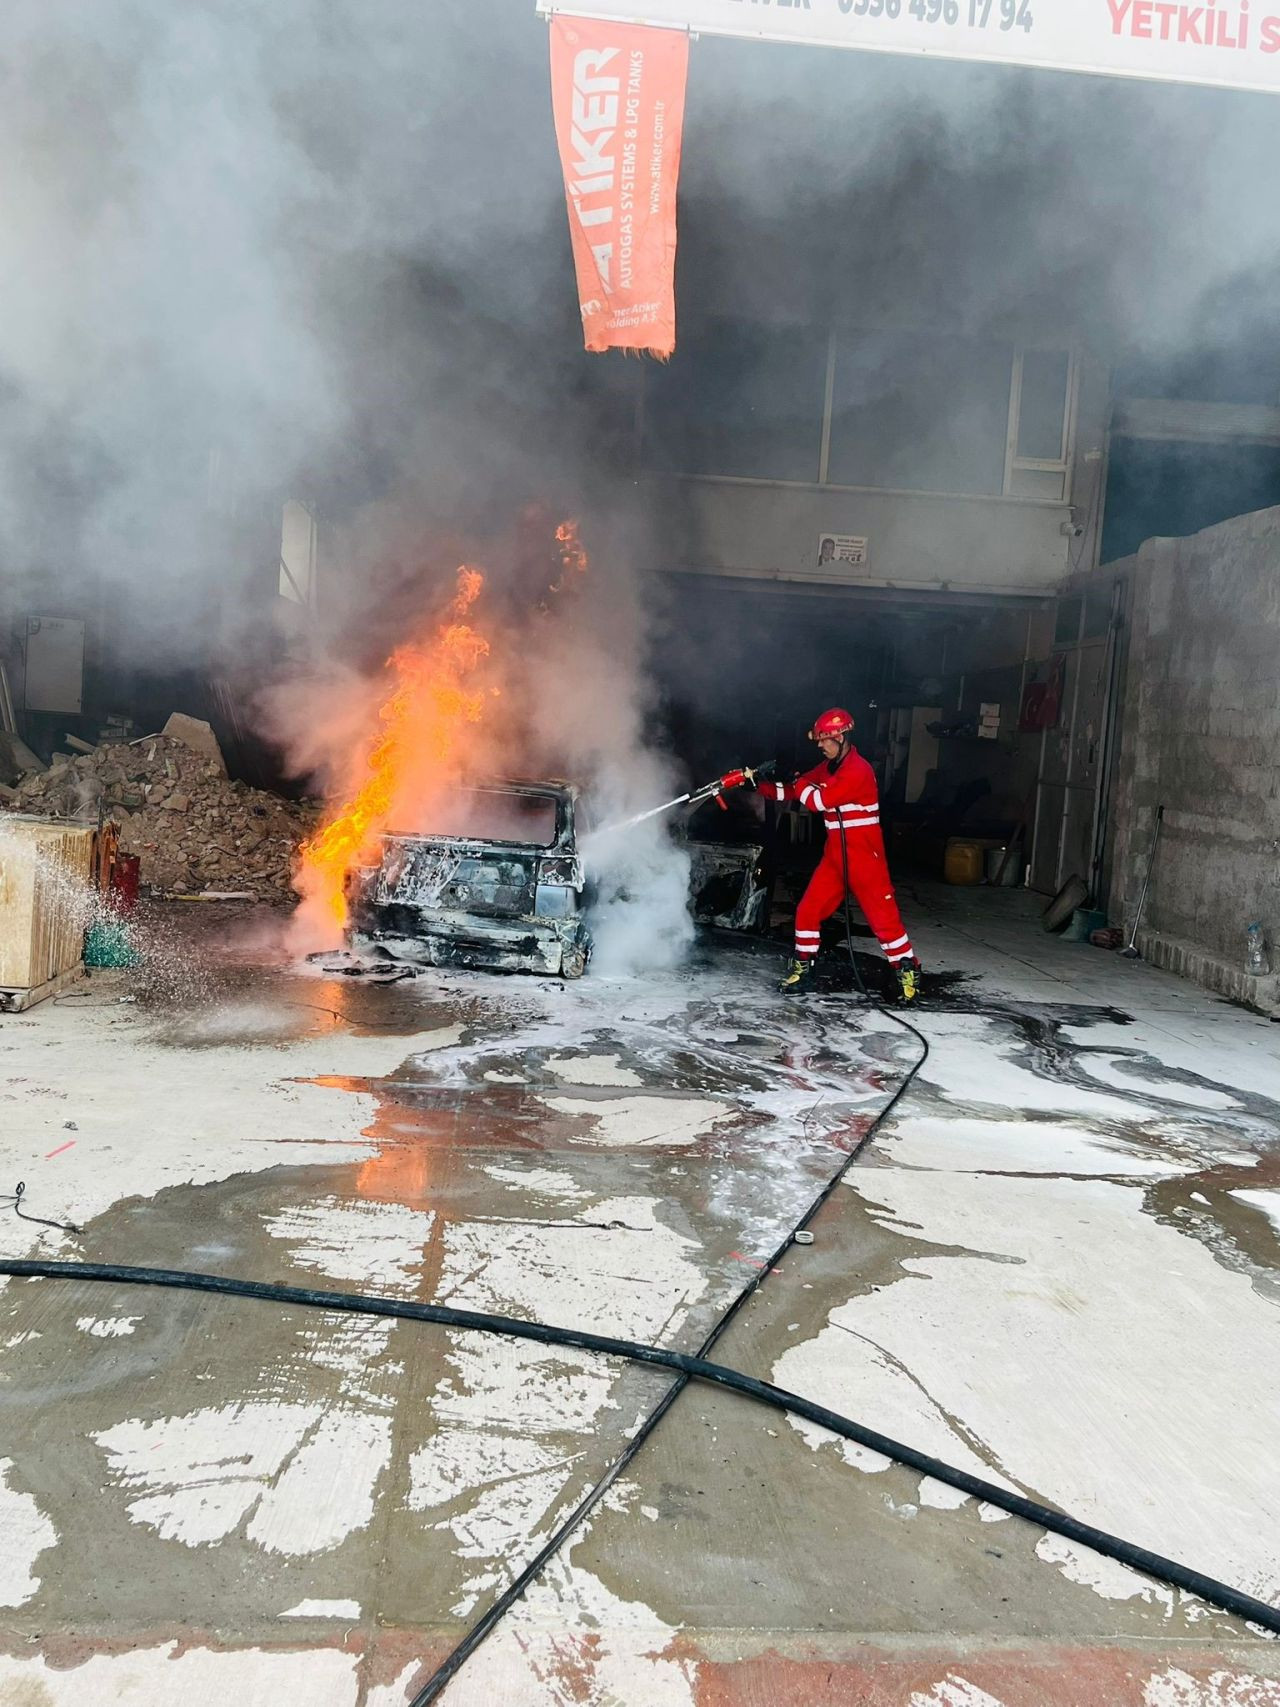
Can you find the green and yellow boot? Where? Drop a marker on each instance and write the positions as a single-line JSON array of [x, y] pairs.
[[909, 978], [798, 977]]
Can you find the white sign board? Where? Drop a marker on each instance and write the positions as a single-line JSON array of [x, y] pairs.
[[54, 664], [1230, 43], [842, 548]]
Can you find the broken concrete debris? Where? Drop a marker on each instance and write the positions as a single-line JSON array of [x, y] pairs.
[[192, 827], [193, 733], [16, 758]]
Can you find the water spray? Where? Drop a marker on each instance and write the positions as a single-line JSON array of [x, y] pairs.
[[695, 796]]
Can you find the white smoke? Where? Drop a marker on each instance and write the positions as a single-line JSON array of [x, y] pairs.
[[590, 702], [251, 253], [258, 251], [566, 695], [642, 922]]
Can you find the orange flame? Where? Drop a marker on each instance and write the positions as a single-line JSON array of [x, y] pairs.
[[416, 753], [573, 555]]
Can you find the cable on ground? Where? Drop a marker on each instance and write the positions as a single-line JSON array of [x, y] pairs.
[[688, 1368], [490, 1619], [15, 1197]]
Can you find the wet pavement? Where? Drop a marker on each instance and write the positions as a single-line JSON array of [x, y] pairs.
[[1057, 1264]]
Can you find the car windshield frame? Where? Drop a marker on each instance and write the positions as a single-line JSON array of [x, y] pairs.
[[559, 799]]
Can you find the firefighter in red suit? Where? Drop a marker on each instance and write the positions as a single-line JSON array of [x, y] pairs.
[[843, 789]]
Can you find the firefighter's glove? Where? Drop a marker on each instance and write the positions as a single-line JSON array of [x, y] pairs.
[[755, 777]]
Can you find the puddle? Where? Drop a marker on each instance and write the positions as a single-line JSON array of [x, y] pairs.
[[488, 1180]]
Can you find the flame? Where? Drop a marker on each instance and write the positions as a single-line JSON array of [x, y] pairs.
[[418, 751], [573, 555]]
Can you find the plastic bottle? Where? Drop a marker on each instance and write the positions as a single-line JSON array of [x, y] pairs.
[[1256, 950]]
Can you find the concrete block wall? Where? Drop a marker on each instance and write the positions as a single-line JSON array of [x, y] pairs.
[[1201, 735]]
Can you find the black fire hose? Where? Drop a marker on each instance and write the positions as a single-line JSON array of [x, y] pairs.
[[689, 1368], [488, 1621], [686, 1369]]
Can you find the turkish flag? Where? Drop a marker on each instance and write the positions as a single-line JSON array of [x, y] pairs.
[[617, 92]]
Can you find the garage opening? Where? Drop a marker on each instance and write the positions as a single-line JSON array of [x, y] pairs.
[[982, 716]]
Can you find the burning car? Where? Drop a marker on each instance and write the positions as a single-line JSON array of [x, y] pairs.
[[500, 883]]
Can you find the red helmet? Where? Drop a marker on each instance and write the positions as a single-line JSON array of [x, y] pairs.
[[833, 725]]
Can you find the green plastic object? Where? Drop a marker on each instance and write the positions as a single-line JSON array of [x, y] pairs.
[[106, 943], [1084, 921]]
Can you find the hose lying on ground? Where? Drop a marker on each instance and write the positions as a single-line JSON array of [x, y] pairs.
[[691, 1368], [686, 1369], [489, 1620]]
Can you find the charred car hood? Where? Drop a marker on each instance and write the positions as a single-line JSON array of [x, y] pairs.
[[452, 900], [446, 872]]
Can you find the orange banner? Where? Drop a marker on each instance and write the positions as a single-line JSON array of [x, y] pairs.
[[618, 95]]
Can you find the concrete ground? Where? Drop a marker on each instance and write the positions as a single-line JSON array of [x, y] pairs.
[[1057, 1264]]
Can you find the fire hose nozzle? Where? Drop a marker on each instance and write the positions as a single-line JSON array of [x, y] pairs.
[[748, 774], [695, 797], [737, 779]]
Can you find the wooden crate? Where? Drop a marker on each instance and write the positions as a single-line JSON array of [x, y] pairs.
[[45, 869]]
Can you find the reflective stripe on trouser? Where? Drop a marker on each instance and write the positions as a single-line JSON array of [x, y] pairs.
[[871, 887]]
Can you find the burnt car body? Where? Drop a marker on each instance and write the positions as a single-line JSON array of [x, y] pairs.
[[500, 886], [503, 885], [728, 885]]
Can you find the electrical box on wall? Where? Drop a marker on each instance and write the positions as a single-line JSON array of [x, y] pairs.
[[54, 664]]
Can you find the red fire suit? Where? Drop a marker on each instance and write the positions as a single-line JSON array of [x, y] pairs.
[[849, 801]]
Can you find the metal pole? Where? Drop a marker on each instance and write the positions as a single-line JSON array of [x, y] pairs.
[[1129, 951]]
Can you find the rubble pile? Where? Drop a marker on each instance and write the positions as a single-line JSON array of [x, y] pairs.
[[192, 827]]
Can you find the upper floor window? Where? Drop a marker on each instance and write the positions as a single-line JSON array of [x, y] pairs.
[[920, 410], [1041, 405], [916, 410], [739, 399]]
